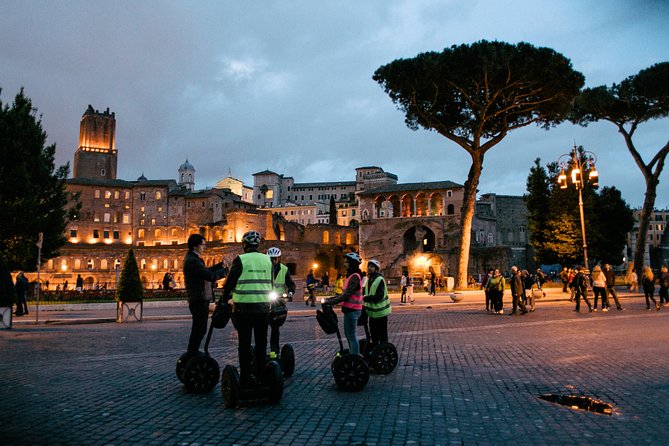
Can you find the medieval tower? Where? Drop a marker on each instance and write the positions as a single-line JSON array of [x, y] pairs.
[[96, 157]]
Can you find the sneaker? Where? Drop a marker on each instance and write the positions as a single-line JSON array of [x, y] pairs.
[[605, 309], [594, 309], [657, 308], [620, 308]]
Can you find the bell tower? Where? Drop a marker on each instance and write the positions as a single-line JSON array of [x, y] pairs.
[[96, 157]]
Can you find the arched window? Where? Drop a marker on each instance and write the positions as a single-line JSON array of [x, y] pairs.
[[117, 264], [450, 209], [326, 237], [176, 264], [158, 233], [142, 264], [49, 264], [166, 264], [91, 264], [103, 264], [77, 264], [140, 233]]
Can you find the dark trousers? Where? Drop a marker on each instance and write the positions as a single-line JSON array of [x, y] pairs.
[[488, 305], [518, 302], [403, 297], [312, 296], [612, 291], [274, 338], [585, 298], [251, 325], [200, 312], [649, 293], [497, 300], [564, 286], [21, 305], [378, 329], [600, 291], [664, 295]]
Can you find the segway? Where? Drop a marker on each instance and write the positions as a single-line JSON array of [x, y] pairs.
[[381, 358], [350, 371], [269, 387], [200, 373], [277, 317]]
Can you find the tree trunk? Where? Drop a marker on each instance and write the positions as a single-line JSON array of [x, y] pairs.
[[644, 221], [466, 218]]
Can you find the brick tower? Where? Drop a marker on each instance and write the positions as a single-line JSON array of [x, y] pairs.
[[96, 157]]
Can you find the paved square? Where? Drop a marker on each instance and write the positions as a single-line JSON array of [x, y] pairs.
[[464, 377]]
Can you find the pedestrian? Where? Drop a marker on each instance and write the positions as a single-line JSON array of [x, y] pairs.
[[403, 287], [632, 281], [376, 303], [610, 285], [484, 287], [433, 282], [21, 288], [572, 286], [664, 286], [648, 282], [325, 283], [581, 288], [564, 277], [540, 279], [495, 287], [198, 280], [527, 289], [311, 289], [351, 300], [410, 288], [249, 285], [599, 287], [283, 286], [65, 285], [166, 281], [79, 285], [517, 291], [339, 284]]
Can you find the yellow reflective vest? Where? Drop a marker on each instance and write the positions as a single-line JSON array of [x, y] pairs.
[[381, 308], [280, 280], [255, 282]]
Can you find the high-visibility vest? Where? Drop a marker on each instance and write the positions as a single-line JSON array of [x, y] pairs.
[[255, 282], [280, 280], [378, 309], [354, 301]]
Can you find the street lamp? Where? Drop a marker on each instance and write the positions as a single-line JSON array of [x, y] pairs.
[[577, 162]]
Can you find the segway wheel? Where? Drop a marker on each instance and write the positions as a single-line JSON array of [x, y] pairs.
[[287, 360], [274, 378], [201, 374], [351, 373], [230, 386], [383, 358], [181, 364]]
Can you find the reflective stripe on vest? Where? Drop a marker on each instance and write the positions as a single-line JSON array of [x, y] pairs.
[[280, 280], [378, 309], [354, 302], [255, 282]]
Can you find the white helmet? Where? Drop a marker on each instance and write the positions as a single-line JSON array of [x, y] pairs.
[[376, 263], [354, 256], [274, 252], [251, 237]]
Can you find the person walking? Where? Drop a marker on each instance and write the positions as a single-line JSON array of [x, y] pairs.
[[21, 288], [648, 283], [599, 287], [495, 287], [403, 287], [581, 289], [633, 281], [339, 284], [311, 289], [198, 280], [79, 285], [410, 288], [517, 292], [484, 287], [283, 285], [249, 285], [433, 282], [527, 289], [572, 287], [664, 286], [376, 303], [610, 285], [351, 300], [564, 277], [540, 279]]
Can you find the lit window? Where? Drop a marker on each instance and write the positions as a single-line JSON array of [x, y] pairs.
[[158, 195], [107, 194], [107, 217], [97, 193], [116, 195]]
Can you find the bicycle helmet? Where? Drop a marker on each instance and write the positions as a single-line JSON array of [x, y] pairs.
[[274, 252], [354, 256], [376, 263], [251, 237]]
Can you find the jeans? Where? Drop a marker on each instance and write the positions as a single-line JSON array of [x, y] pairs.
[[600, 291], [614, 294], [579, 294], [200, 312], [350, 327]]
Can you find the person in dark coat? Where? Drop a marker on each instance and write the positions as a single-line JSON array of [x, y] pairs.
[[581, 289], [610, 283], [199, 281], [21, 288], [517, 292]]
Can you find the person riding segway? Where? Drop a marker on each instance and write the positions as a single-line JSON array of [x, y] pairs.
[[379, 353], [249, 285], [284, 287]]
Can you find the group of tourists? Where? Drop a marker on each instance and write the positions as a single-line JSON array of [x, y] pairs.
[[253, 276], [522, 285]]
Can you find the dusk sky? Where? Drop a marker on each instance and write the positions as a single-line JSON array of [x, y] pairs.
[[239, 87]]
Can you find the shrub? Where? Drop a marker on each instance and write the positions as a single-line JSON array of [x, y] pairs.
[[129, 287]]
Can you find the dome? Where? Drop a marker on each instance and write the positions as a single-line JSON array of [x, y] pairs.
[[186, 166], [142, 178]]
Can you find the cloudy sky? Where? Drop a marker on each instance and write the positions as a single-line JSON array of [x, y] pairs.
[[239, 87]]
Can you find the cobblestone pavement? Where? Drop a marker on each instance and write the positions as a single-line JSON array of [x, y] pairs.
[[464, 377]]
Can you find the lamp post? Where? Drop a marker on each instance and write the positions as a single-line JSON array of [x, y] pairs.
[[576, 162]]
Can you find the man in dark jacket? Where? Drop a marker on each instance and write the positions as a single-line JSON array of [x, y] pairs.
[[581, 289], [199, 281], [249, 285], [610, 283], [517, 291], [21, 291]]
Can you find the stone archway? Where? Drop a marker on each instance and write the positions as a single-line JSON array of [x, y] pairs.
[[418, 239]]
